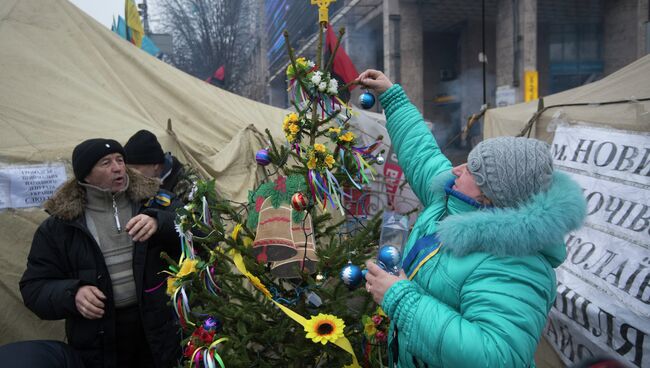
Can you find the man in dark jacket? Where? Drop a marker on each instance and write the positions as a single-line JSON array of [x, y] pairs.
[[95, 263], [145, 154]]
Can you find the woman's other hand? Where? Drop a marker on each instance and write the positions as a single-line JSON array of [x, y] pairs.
[[379, 281]]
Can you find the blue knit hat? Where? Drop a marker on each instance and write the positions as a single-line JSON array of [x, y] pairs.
[[510, 170]]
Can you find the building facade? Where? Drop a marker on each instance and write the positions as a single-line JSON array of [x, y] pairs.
[[453, 56]]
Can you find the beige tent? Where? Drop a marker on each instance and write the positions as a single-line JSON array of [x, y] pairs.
[[65, 78], [630, 83]]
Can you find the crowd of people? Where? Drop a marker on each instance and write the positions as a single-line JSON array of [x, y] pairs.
[[475, 289]]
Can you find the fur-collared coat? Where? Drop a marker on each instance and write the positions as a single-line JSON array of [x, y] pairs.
[[483, 300], [64, 256]]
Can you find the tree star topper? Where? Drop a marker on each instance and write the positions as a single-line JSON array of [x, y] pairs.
[[323, 11]]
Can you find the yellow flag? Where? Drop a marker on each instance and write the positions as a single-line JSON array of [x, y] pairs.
[[133, 23]]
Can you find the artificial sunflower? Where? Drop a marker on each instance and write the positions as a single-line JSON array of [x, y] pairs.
[[324, 328]]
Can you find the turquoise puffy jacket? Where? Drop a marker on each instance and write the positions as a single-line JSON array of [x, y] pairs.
[[483, 300]]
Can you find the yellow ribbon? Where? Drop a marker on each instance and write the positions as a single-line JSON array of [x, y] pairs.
[[422, 262], [235, 232], [341, 342]]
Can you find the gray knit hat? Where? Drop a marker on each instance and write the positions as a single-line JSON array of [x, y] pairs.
[[510, 170]]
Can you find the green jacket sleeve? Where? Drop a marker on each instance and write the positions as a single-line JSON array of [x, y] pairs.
[[417, 151], [503, 308]]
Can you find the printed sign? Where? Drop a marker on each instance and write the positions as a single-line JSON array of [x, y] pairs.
[[29, 186], [603, 298]]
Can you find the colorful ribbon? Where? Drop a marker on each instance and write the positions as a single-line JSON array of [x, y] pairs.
[[208, 356]]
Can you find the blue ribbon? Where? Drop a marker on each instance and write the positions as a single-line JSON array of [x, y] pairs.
[[429, 243]]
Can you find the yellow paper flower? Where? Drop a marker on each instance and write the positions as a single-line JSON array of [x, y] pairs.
[[171, 285], [293, 117], [324, 328], [293, 128], [329, 160], [301, 62], [291, 138], [347, 137], [319, 147], [335, 130], [187, 267], [311, 164], [258, 285], [369, 328]]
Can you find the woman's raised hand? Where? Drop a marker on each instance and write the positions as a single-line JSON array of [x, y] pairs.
[[374, 80]]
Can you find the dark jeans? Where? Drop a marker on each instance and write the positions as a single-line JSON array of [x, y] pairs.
[[132, 347]]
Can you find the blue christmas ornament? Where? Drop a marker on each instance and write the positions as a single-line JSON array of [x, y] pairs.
[[367, 100], [351, 275], [262, 157], [389, 259]]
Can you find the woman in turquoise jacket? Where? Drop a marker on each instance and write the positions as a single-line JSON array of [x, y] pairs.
[[479, 264]]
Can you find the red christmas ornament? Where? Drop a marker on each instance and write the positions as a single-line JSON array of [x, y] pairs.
[[299, 202]]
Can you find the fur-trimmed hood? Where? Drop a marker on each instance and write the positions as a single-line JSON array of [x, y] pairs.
[[537, 226], [69, 200]]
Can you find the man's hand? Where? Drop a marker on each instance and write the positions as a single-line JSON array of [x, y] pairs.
[[142, 227], [89, 302], [379, 281], [374, 80]]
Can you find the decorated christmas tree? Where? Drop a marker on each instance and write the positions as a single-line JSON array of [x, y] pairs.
[[275, 282]]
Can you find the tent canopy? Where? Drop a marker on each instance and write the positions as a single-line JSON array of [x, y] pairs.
[[630, 83], [66, 78]]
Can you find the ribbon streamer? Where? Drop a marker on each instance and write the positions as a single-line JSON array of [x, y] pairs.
[[208, 356]]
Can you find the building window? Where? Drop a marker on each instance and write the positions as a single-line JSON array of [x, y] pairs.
[[575, 53]]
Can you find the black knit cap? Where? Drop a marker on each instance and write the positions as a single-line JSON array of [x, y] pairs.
[[143, 149], [88, 152]]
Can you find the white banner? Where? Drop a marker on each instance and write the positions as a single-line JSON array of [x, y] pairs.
[[603, 301], [29, 186]]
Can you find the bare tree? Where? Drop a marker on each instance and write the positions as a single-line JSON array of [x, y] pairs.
[[212, 33]]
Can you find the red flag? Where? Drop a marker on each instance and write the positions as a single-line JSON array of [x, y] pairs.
[[220, 73], [341, 65]]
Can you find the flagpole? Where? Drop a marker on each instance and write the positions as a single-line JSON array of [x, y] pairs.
[[126, 22]]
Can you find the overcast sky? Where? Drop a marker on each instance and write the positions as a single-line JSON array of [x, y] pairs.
[[102, 10]]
